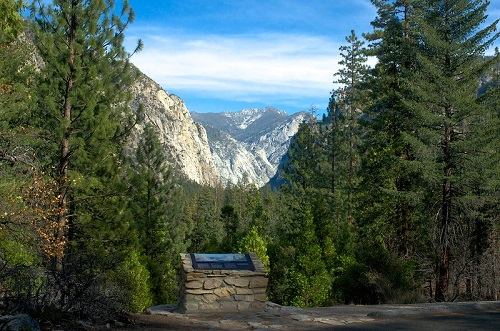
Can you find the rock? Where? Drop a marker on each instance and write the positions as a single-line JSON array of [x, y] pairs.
[[161, 309], [244, 291], [257, 325], [249, 144], [212, 283], [258, 282], [261, 297], [224, 291], [209, 298], [20, 322], [194, 276], [244, 297], [199, 291], [238, 282], [301, 317], [185, 142], [194, 285]]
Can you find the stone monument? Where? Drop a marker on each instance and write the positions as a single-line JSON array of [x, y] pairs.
[[222, 282]]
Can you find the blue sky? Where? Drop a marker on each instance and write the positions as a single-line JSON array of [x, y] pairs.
[[228, 55]]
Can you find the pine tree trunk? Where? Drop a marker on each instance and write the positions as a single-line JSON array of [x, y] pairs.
[[403, 211], [444, 244], [402, 182], [352, 109], [351, 167], [65, 150]]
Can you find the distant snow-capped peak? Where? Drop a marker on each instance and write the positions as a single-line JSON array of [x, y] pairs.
[[244, 118]]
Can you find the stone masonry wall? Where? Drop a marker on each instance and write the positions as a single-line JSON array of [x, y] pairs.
[[222, 290]]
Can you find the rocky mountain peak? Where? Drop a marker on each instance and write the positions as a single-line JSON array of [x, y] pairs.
[[244, 118], [248, 146]]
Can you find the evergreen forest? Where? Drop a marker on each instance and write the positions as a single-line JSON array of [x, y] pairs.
[[393, 196]]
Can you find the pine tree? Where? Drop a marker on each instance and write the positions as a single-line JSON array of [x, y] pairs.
[[232, 228], [299, 274], [339, 170], [151, 190], [84, 115], [208, 229], [480, 201], [26, 192], [253, 242], [155, 215], [347, 106], [451, 44], [11, 22], [390, 183], [300, 166], [17, 77]]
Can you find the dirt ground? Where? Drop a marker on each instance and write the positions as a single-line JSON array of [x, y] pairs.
[[146, 322]]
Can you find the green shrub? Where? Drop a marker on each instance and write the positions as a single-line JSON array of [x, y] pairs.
[[253, 242], [375, 276], [133, 278]]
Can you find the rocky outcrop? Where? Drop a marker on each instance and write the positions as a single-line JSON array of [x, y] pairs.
[[185, 142], [248, 146]]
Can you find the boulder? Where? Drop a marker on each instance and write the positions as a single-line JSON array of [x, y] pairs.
[[19, 322]]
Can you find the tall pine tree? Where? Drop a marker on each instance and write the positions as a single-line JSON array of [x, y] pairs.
[[390, 179], [349, 102], [85, 118], [160, 228], [451, 42]]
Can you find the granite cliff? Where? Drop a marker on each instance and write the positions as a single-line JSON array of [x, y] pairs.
[[184, 141]]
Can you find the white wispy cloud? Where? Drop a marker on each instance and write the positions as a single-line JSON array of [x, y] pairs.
[[278, 52], [245, 67]]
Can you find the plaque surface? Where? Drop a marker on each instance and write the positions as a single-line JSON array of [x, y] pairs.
[[222, 261]]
